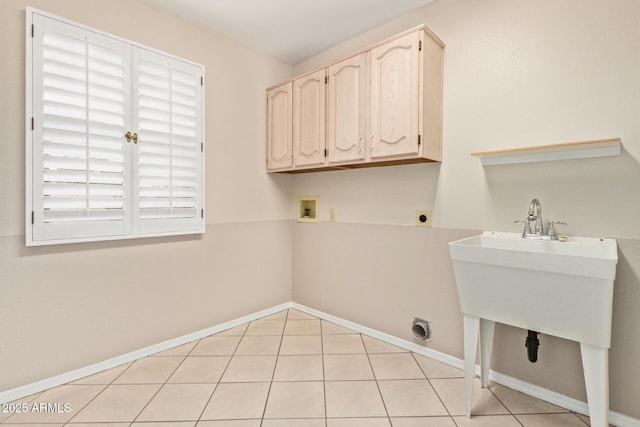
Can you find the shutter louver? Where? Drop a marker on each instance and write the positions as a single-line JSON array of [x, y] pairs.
[[169, 144]]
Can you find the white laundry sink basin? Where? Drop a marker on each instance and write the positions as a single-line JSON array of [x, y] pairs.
[[561, 288]]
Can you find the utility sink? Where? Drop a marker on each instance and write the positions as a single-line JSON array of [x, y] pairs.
[[556, 287]]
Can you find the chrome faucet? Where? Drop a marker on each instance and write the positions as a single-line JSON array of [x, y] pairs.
[[535, 214]]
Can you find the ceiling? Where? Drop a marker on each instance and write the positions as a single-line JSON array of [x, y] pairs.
[[289, 30]]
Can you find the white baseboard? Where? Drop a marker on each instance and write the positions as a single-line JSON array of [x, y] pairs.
[[36, 387], [615, 418]]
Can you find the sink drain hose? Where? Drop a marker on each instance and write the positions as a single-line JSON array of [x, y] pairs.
[[532, 345]]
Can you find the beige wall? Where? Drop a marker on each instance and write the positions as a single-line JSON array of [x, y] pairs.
[[68, 306], [517, 73]]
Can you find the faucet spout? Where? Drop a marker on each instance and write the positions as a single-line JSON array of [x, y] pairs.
[[535, 214]]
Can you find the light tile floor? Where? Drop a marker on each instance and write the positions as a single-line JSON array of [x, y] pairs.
[[289, 369]]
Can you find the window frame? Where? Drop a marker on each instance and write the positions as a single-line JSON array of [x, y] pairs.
[[33, 234]]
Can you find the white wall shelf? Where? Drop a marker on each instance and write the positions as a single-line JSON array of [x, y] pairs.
[[543, 153]]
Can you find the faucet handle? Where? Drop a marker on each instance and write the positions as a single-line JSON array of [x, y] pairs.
[[551, 230], [527, 227]]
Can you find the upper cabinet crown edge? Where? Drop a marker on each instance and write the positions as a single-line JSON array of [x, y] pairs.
[[418, 28]]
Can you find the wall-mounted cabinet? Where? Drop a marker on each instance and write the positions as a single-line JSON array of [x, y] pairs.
[[279, 131], [309, 119], [347, 110], [394, 98], [380, 106]]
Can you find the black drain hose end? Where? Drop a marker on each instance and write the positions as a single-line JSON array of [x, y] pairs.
[[532, 345]]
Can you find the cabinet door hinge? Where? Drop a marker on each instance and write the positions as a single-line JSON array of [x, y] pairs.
[[419, 141], [419, 45], [33, 30], [33, 217], [33, 123]]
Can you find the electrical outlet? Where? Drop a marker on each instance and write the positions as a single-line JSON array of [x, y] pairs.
[[423, 218], [332, 214]]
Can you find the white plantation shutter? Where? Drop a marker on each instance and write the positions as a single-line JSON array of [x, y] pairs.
[[80, 181], [167, 99], [85, 182]]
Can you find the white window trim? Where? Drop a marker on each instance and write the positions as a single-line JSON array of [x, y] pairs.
[[29, 208]]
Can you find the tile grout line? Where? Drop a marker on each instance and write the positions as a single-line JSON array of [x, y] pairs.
[[413, 355], [160, 388], [64, 423], [91, 400], [109, 384], [504, 405], [275, 365], [324, 376], [375, 377], [511, 413], [515, 414], [34, 397], [583, 421], [204, 408]]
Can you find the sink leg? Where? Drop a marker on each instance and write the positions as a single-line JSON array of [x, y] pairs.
[[487, 328], [595, 362], [471, 329]]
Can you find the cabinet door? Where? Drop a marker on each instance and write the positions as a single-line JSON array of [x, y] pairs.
[[347, 110], [309, 119], [394, 97], [279, 127]]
